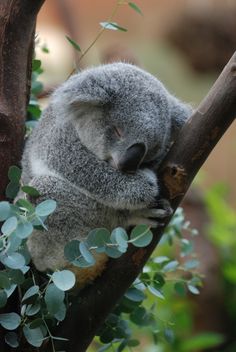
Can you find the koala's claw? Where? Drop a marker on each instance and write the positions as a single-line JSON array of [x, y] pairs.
[[151, 216], [164, 207]]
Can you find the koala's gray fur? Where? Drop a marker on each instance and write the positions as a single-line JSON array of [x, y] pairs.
[[73, 154]]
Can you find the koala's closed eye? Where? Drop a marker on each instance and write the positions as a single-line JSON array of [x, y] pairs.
[[118, 132]]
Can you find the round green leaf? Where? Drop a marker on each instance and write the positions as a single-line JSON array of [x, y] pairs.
[[9, 225], [120, 237], [14, 243], [101, 237], [33, 336], [135, 295], [10, 321], [36, 323], [36, 64], [30, 191], [64, 279], [155, 292], [31, 294], [12, 190], [10, 290], [4, 210], [113, 252], [171, 266], [14, 174], [16, 276], [32, 309], [169, 335], [61, 314], [25, 205], [193, 289], [141, 236], [3, 298], [54, 298], [180, 289], [4, 280], [46, 207], [11, 339], [71, 250], [87, 255], [13, 261], [24, 230]]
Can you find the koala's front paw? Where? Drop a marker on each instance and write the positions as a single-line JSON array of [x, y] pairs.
[[163, 207], [148, 189], [152, 217]]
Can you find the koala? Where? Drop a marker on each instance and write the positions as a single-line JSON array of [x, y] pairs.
[[94, 151]]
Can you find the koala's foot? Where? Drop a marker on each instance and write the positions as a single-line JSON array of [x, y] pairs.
[[151, 216]]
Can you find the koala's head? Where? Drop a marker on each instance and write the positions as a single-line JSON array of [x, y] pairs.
[[121, 113]]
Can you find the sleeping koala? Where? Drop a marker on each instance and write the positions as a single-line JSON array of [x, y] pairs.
[[93, 151]]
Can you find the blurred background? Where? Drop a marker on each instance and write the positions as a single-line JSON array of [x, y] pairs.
[[186, 44]]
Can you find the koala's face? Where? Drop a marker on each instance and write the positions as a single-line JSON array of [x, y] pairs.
[[121, 114]]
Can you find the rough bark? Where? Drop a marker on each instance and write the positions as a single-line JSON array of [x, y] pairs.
[[195, 142], [17, 26]]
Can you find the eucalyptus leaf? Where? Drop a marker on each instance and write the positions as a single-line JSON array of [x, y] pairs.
[[113, 252], [113, 25], [141, 236], [73, 43], [32, 309], [33, 192], [135, 295], [72, 250], [64, 279], [11, 338], [171, 266], [54, 298], [12, 189], [24, 230], [3, 298], [10, 321], [46, 207], [4, 280], [85, 252], [9, 226], [4, 210], [135, 8], [13, 261], [14, 174], [155, 292], [31, 295], [33, 336]]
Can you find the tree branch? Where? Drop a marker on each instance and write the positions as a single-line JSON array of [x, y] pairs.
[[17, 26], [195, 142]]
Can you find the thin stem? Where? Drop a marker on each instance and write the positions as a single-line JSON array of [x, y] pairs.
[[118, 4]]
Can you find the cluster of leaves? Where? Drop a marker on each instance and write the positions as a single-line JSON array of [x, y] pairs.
[[34, 110], [42, 302], [114, 244], [221, 231], [159, 273]]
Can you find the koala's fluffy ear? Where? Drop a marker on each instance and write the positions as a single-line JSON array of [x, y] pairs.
[[180, 113]]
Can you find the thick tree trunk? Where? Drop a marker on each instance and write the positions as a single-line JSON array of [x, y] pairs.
[[17, 26], [195, 142]]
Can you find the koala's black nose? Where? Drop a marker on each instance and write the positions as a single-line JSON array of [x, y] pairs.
[[132, 158]]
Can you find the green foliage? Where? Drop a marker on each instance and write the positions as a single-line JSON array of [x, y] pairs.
[[44, 304]]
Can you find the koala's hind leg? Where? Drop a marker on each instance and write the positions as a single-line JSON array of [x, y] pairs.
[[152, 217]]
